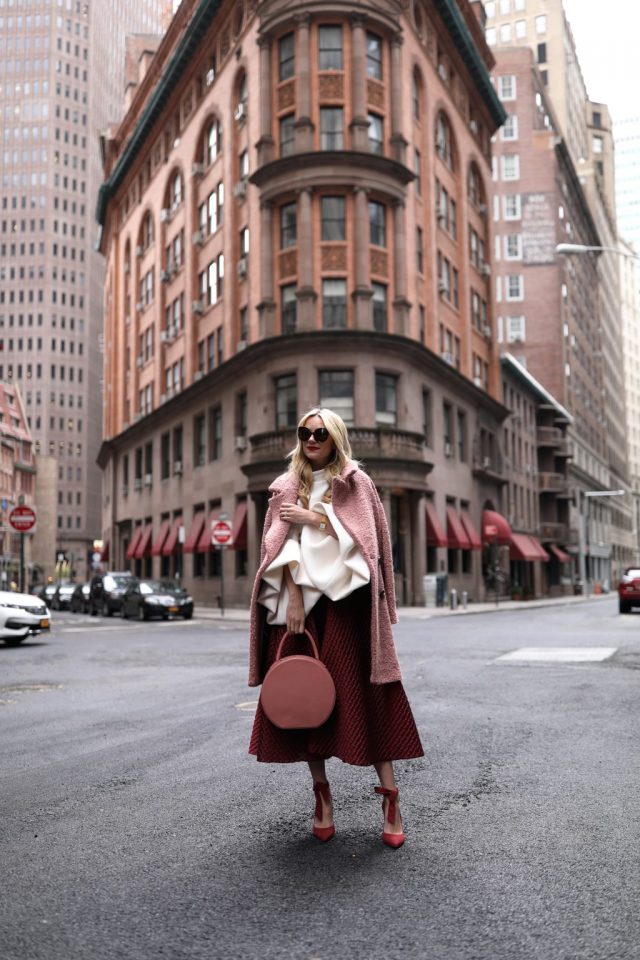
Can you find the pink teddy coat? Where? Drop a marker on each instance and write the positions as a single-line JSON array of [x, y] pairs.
[[358, 507]]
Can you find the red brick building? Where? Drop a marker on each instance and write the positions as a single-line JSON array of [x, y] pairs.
[[295, 211]]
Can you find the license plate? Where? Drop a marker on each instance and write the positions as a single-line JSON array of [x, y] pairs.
[[44, 623], [173, 609]]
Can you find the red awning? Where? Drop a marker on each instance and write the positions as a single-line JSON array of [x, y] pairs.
[[197, 524], [522, 548], [435, 534], [163, 533], [133, 546], [470, 530], [457, 538], [171, 541], [104, 556], [559, 553], [204, 543], [495, 529], [537, 546], [144, 543], [239, 527]]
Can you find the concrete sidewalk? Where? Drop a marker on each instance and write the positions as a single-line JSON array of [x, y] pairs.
[[425, 613]]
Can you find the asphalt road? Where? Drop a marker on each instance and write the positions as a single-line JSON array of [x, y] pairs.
[[134, 825]]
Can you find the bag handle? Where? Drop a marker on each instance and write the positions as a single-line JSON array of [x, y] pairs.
[[309, 638]]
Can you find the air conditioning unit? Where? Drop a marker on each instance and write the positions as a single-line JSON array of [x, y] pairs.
[[448, 450], [140, 306], [127, 267], [487, 331], [486, 462], [482, 209], [243, 263], [165, 276], [209, 76], [165, 215], [485, 269], [443, 287], [240, 189], [516, 338], [473, 126], [198, 375], [163, 398], [242, 345], [139, 361], [177, 468], [197, 306], [125, 490], [442, 216], [240, 444], [447, 357], [137, 483], [167, 336], [240, 111], [197, 169], [198, 238], [139, 252], [148, 479], [442, 72], [477, 381]]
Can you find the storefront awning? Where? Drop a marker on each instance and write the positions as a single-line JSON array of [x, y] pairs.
[[495, 528], [144, 543], [470, 530], [537, 546], [559, 553], [104, 556], [158, 543], [522, 548], [456, 535], [204, 543], [172, 540], [133, 546], [435, 534], [239, 527], [195, 532]]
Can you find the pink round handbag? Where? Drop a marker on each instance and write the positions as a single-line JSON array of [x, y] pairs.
[[298, 691]]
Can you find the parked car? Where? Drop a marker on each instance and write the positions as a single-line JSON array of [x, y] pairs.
[[45, 592], [629, 590], [156, 598], [106, 591], [21, 614], [61, 599], [80, 598]]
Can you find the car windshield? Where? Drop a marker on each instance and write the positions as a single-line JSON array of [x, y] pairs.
[[111, 582], [158, 586]]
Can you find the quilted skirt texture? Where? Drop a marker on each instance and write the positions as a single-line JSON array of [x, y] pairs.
[[370, 722]]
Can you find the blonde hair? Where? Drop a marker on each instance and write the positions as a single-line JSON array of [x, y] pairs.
[[341, 454]]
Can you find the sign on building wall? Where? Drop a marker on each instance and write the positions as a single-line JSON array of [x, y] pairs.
[[538, 228]]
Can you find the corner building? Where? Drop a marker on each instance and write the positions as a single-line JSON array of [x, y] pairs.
[[295, 212]]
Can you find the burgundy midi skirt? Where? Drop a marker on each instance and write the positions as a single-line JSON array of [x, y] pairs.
[[370, 722]]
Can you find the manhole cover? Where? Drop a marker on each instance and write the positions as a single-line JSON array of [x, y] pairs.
[[557, 655]]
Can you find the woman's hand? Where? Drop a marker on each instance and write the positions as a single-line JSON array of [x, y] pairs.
[[295, 613], [292, 513]]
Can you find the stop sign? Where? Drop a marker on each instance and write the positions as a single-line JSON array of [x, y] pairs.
[[22, 519], [221, 533]]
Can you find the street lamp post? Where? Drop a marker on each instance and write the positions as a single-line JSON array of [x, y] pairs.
[[585, 558], [567, 249]]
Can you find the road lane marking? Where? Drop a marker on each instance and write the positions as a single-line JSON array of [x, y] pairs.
[[249, 706], [557, 655]]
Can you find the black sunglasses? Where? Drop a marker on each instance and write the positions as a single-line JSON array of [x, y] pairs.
[[320, 435]]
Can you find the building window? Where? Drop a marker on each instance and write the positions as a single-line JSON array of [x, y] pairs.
[[598, 145], [214, 211], [509, 130], [332, 212], [461, 436], [334, 304], [419, 250], [426, 416], [212, 142], [244, 242], [542, 53], [514, 287], [288, 235], [377, 228], [596, 118], [505, 33], [177, 450], [507, 87], [512, 206], [379, 307], [515, 329], [241, 414], [490, 36], [444, 140], [417, 169], [286, 389], [374, 56], [386, 399], [513, 246], [330, 48], [288, 308], [199, 443], [331, 128], [541, 24], [286, 56], [215, 279], [511, 166], [335, 388], [376, 134], [175, 191], [416, 94], [215, 433], [447, 428], [287, 135], [521, 29]]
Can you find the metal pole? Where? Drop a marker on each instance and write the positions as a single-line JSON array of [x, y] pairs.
[[221, 580], [587, 558], [22, 563]]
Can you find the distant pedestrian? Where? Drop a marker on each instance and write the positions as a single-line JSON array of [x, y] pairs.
[[326, 564]]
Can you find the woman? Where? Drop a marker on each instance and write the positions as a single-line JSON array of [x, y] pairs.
[[326, 563]]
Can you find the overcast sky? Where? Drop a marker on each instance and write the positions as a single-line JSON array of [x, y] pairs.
[[607, 36]]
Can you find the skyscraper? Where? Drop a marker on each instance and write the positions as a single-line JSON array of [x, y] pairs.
[[61, 82]]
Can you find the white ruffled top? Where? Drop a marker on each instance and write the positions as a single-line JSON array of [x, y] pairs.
[[318, 562]]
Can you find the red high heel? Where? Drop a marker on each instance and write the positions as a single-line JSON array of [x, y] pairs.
[[394, 840], [322, 792]]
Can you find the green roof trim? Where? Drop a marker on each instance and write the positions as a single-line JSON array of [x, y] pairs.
[[448, 10], [186, 49]]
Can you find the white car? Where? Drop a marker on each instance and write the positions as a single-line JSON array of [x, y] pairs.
[[20, 615]]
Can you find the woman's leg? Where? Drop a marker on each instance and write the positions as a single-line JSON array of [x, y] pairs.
[[384, 769], [319, 775]]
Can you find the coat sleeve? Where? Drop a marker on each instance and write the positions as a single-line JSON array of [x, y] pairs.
[[385, 557]]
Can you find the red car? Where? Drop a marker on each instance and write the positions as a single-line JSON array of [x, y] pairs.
[[629, 589]]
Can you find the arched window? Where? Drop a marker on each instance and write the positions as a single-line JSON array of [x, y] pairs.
[[176, 193], [212, 141], [147, 232], [417, 94], [475, 187], [126, 263], [444, 141], [241, 97]]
